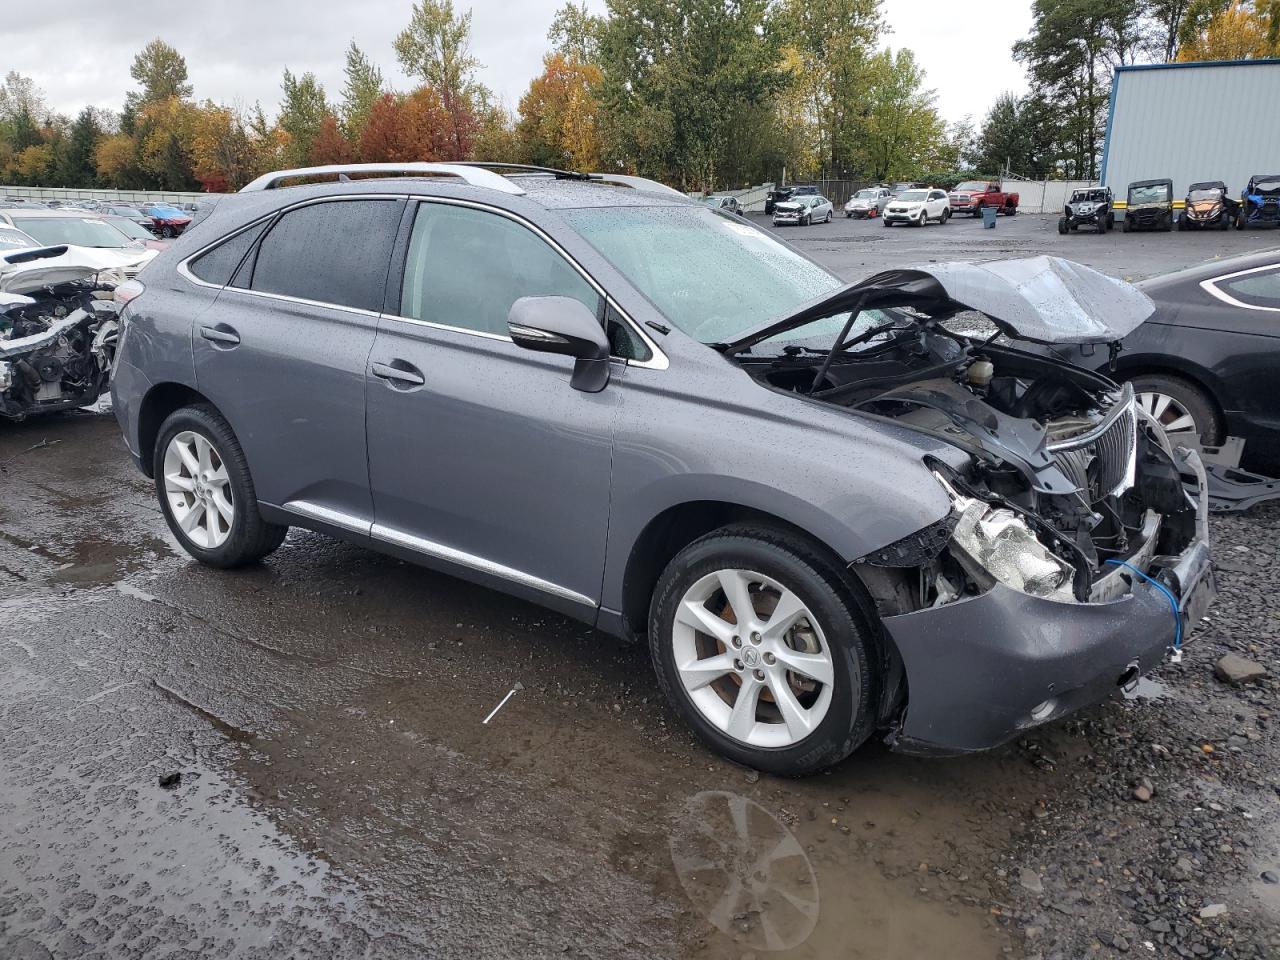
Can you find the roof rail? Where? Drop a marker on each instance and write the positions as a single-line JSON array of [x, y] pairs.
[[556, 172], [476, 176], [638, 183]]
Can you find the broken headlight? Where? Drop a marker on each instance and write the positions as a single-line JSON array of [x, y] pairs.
[[6, 375], [1000, 542]]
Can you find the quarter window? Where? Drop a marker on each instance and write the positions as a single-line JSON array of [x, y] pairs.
[[1260, 289], [219, 264], [334, 252]]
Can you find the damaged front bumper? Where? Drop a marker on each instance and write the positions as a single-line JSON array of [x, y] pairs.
[[983, 669]]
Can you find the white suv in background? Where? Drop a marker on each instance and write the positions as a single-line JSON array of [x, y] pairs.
[[918, 207]]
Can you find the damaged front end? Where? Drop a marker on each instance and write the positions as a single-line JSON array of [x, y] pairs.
[[1075, 555], [57, 333]]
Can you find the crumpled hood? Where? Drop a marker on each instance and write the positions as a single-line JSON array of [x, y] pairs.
[[1040, 299], [26, 271]]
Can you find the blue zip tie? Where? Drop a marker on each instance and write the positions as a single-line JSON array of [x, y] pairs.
[[1173, 601]]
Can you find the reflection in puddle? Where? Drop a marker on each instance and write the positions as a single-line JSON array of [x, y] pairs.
[[745, 871], [1148, 689]]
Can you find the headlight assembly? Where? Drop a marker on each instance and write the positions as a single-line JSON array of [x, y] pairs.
[[1001, 543]]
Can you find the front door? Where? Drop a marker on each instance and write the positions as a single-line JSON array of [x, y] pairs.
[[482, 457], [282, 353]]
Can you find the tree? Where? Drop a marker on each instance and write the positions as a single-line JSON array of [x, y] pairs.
[[35, 164], [362, 88], [114, 158], [20, 95], [1073, 47], [558, 123], [162, 72], [74, 154], [902, 126], [676, 81], [330, 146], [303, 110], [834, 42], [1167, 18], [1236, 31], [1004, 143], [164, 132], [436, 47], [575, 33], [408, 129], [226, 151]]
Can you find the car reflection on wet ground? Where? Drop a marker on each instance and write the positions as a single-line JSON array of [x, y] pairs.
[[340, 795]]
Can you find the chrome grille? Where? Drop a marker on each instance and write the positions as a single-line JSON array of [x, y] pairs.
[[1102, 462]]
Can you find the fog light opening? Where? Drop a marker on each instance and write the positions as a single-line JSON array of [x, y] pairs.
[[1128, 681]]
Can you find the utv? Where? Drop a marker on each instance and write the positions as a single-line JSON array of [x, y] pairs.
[[1207, 205], [1091, 205], [1149, 206], [1260, 202]]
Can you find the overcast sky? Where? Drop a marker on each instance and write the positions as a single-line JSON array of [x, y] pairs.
[[79, 51]]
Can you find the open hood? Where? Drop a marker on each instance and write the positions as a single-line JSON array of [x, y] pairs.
[[1040, 299], [27, 271]]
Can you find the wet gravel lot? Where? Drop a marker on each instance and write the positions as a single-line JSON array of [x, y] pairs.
[[338, 796]]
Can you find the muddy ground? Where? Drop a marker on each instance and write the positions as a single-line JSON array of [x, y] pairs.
[[338, 795]]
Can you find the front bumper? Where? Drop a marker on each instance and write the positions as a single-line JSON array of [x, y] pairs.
[[901, 216], [981, 671], [779, 219]]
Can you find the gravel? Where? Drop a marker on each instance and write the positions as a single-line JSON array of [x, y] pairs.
[[1190, 868]]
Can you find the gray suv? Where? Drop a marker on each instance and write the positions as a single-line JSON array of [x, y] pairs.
[[829, 509]]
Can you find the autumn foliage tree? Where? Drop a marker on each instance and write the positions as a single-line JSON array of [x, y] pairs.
[[408, 129], [558, 125], [1235, 31], [329, 145]]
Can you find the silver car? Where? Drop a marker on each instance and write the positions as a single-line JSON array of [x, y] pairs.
[[802, 211], [827, 515], [869, 202]]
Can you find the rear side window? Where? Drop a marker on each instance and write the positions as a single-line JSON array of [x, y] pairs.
[[334, 252], [1260, 289], [218, 265]]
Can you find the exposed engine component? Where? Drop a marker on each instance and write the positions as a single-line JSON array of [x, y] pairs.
[[1065, 473], [57, 341]]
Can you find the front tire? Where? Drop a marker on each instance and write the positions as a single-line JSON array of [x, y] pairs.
[[206, 493], [764, 648], [1179, 407], [1062, 225]]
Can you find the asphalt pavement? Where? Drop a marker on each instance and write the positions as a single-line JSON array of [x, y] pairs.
[[290, 760]]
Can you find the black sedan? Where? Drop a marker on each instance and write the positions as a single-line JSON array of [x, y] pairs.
[[1208, 360]]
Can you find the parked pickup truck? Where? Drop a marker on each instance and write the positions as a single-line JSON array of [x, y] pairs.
[[972, 195]]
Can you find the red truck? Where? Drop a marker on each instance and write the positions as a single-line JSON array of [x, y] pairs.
[[972, 195]]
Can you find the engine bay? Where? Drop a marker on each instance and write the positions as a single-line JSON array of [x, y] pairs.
[[1067, 475], [57, 345]]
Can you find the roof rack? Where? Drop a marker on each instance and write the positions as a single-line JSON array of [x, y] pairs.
[[477, 173], [476, 176]]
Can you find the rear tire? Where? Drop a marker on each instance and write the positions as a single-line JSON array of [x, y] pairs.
[[837, 629], [224, 484], [1062, 225]]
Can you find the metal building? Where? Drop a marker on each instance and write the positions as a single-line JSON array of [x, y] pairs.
[[1217, 120]]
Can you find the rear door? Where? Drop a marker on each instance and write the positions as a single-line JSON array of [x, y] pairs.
[[481, 455], [282, 351]]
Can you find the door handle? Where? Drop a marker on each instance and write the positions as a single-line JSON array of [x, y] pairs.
[[220, 334], [406, 373]]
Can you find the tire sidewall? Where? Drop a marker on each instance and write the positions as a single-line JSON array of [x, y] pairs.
[[849, 716], [216, 431]]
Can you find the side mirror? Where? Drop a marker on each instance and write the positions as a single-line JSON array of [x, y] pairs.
[[565, 326]]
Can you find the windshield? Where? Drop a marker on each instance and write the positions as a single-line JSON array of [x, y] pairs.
[[973, 185], [127, 211], [913, 196], [865, 195], [1266, 186], [1197, 195], [131, 229], [165, 213], [710, 275], [82, 232], [11, 239], [1088, 196], [1154, 194]]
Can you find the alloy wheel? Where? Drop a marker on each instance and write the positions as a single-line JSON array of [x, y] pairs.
[[752, 658], [1167, 411], [198, 489]]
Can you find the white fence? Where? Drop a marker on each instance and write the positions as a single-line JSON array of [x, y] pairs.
[[1044, 196], [110, 196]]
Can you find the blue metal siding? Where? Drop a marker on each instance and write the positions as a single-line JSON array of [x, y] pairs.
[[1195, 121]]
